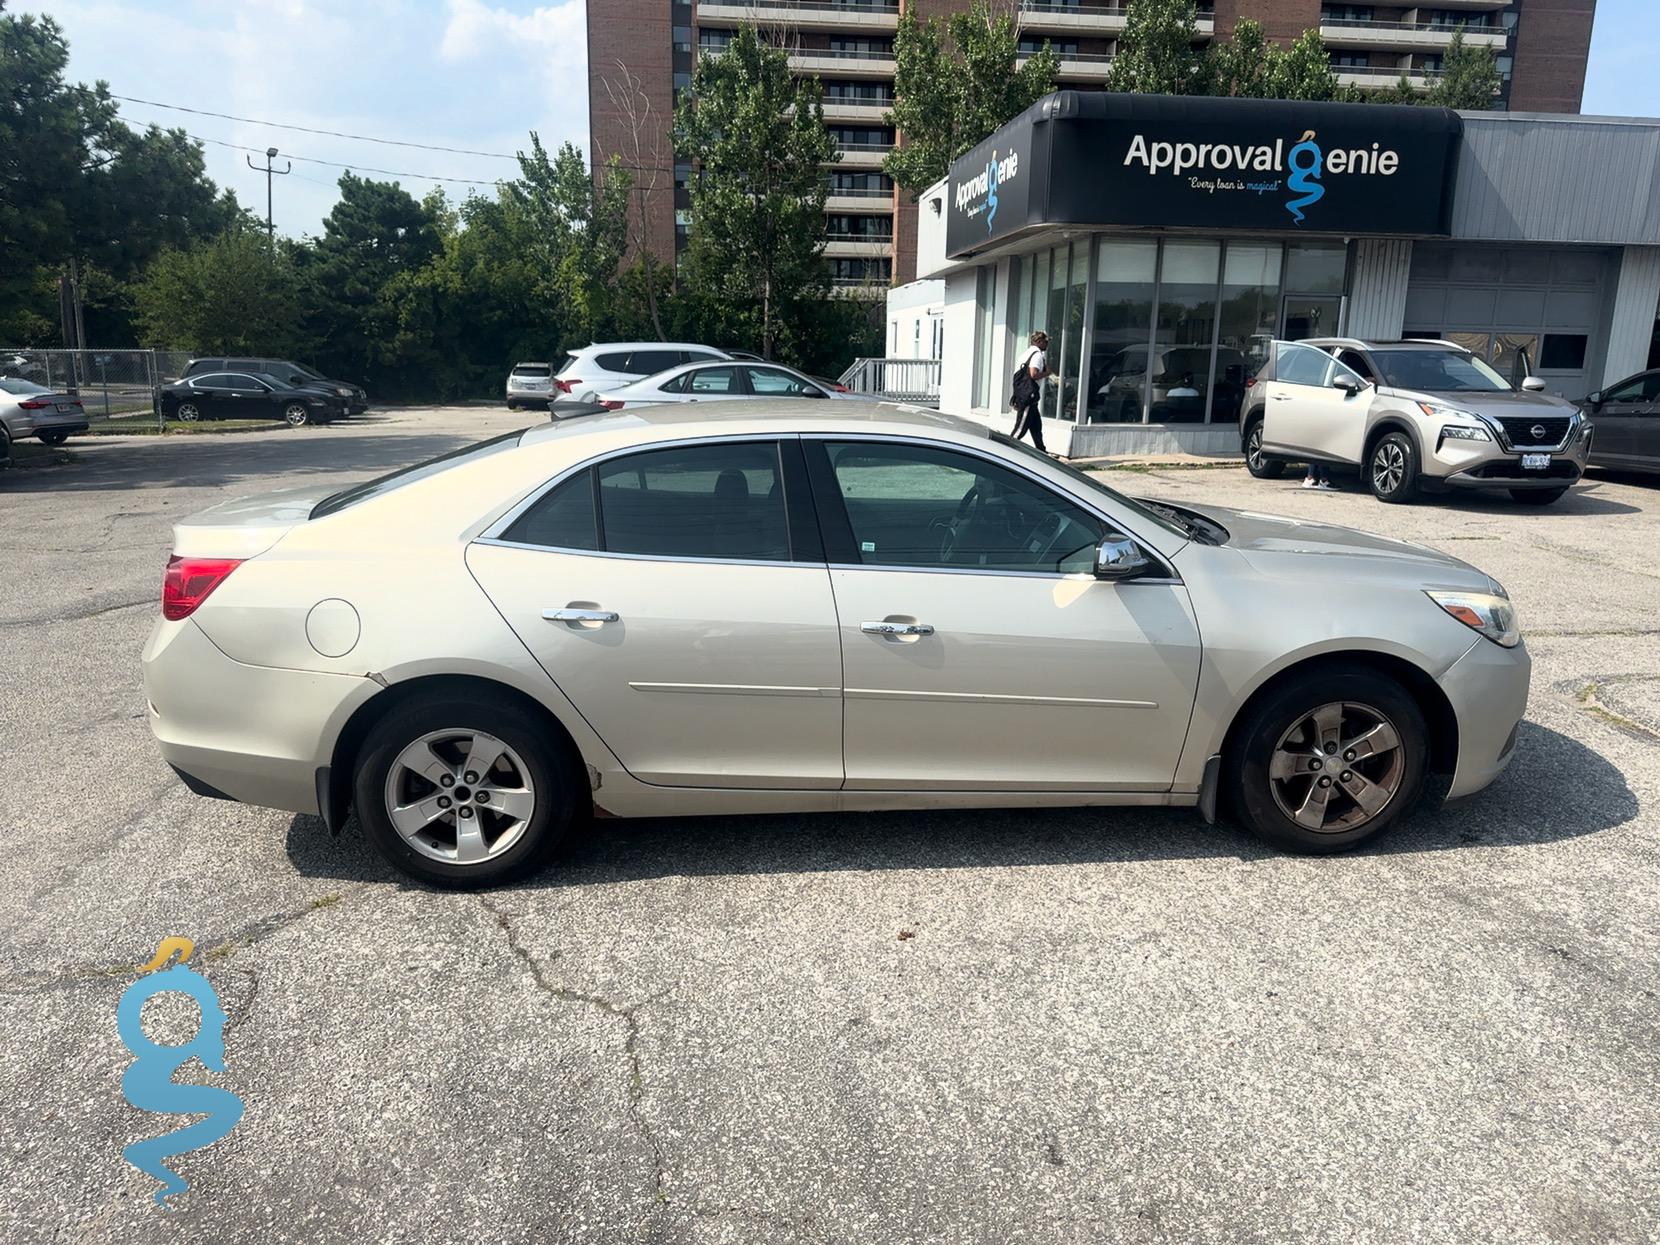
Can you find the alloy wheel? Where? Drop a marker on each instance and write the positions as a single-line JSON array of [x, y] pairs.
[[1253, 448], [295, 414], [187, 413], [1388, 467], [1337, 767], [459, 796]]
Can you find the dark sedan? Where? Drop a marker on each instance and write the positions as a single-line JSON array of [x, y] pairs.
[[286, 372], [247, 395], [1626, 420]]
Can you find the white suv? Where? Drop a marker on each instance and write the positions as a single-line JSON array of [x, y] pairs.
[[1412, 415], [605, 366]]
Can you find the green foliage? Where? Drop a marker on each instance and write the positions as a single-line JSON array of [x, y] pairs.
[[1157, 53], [757, 136], [955, 83], [1470, 77], [229, 295]]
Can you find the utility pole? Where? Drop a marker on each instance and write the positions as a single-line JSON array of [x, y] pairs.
[[270, 155]]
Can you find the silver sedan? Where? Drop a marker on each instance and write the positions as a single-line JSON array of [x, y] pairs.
[[715, 382], [764, 607]]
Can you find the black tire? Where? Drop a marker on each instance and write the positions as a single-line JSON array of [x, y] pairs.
[[1392, 469], [512, 406], [5, 447], [1537, 496], [1256, 462], [54, 438], [554, 774], [1251, 788]]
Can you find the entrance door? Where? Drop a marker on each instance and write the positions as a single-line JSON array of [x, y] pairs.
[[672, 599], [979, 651], [1311, 315]]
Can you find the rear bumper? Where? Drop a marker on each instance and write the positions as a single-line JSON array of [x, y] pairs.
[[234, 731], [1488, 691], [64, 424]]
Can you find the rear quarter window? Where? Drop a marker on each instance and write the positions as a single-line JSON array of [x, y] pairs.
[[617, 361]]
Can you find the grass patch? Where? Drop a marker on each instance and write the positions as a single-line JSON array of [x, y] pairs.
[[146, 427], [30, 454]]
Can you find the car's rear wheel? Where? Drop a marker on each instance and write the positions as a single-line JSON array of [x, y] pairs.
[[1256, 462], [1537, 496], [54, 438], [5, 447], [1392, 468], [187, 412], [512, 406], [463, 793], [296, 415], [1328, 759]]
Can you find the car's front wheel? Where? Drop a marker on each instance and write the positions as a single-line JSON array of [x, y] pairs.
[[1328, 759], [1537, 496], [1256, 462], [464, 793], [1392, 468], [296, 414]]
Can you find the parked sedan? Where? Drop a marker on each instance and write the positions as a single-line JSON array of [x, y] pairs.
[[248, 395], [285, 372], [776, 607], [705, 382], [31, 410], [1628, 423]]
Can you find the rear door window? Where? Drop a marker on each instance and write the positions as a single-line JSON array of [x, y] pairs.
[[713, 380], [650, 362], [696, 501], [698, 356], [775, 382]]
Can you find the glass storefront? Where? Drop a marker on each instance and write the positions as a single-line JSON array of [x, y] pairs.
[[1167, 331]]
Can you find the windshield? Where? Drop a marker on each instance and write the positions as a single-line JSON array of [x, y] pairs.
[[532, 369], [1438, 371], [408, 475], [12, 385], [307, 372], [1164, 520]]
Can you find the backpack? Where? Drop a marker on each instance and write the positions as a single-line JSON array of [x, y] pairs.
[[1022, 388]]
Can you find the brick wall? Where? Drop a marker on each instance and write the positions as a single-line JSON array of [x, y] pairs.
[[1553, 41], [1281, 20], [637, 34]]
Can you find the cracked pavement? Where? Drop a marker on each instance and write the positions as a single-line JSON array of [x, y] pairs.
[[1102, 1025]]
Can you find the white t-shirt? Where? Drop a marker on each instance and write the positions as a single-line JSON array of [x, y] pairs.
[[1035, 358]]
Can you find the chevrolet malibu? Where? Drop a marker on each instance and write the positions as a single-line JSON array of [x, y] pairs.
[[769, 607]]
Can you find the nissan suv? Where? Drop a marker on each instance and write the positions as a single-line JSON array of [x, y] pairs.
[[1411, 415]]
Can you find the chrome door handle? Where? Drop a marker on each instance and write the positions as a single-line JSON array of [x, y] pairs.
[[574, 615], [896, 628], [1281, 397]]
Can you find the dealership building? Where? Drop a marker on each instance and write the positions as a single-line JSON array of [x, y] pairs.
[[1164, 242]]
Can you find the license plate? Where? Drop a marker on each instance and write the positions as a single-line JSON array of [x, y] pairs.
[[65, 407], [1535, 462]]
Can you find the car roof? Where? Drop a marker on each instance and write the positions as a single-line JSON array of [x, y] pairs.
[[648, 346], [1402, 343], [759, 417]]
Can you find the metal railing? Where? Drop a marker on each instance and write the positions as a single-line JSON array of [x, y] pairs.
[[1054, 8], [858, 192], [817, 6], [863, 146], [1072, 58], [1383, 74], [841, 54], [898, 380], [113, 385], [1367, 23], [885, 239]]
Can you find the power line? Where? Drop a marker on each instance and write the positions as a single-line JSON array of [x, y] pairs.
[[357, 168], [305, 129]]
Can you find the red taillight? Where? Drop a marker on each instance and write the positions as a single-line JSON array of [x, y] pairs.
[[36, 405], [840, 389], [1250, 381], [189, 581], [565, 385], [610, 405]]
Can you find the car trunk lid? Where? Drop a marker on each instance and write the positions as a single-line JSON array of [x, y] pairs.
[[245, 526]]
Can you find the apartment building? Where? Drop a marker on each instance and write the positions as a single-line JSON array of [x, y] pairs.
[[641, 54]]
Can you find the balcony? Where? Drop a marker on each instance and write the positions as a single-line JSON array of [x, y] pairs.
[[1043, 17], [830, 64], [1087, 67], [862, 155], [856, 109], [803, 15], [856, 246], [865, 202], [1406, 36], [1380, 77]]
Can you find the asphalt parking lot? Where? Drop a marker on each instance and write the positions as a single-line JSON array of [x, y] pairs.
[[960, 1027]]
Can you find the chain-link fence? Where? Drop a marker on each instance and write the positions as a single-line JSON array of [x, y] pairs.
[[112, 385]]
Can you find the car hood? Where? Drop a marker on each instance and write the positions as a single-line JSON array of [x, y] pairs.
[[1505, 403], [1276, 544]]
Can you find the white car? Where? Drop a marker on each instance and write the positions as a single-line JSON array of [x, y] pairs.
[[783, 607], [606, 366], [529, 384], [708, 382]]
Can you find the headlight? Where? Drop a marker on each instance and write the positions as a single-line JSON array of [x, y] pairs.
[[1465, 432], [1436, 410], [344, 393], [1490, 613]]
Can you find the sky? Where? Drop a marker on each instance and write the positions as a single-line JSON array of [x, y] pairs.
[[472, 74], [455, 73]]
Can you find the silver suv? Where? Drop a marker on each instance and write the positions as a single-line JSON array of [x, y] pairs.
[[1411, 415]]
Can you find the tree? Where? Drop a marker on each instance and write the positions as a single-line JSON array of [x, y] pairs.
[[231, 295], [954, 84], [648, 161], [1157, 53], [1470, 77], [757, 137]]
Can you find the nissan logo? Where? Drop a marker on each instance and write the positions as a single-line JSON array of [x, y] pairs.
[[1538, 431]]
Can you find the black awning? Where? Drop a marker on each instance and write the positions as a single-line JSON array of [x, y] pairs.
[[1199, 162]]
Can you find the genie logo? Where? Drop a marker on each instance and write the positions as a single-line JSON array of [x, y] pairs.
[[977, 195], [1307, 162], [148, 1082]]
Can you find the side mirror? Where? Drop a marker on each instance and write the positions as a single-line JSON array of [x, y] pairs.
[[1348, 384], [1532, 384], [1118, 557], [1594, 400]]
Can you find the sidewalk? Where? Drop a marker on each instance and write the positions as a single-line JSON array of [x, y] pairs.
[[1132, 462]]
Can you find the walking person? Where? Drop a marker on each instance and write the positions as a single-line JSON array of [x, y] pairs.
[[1027, 388]]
